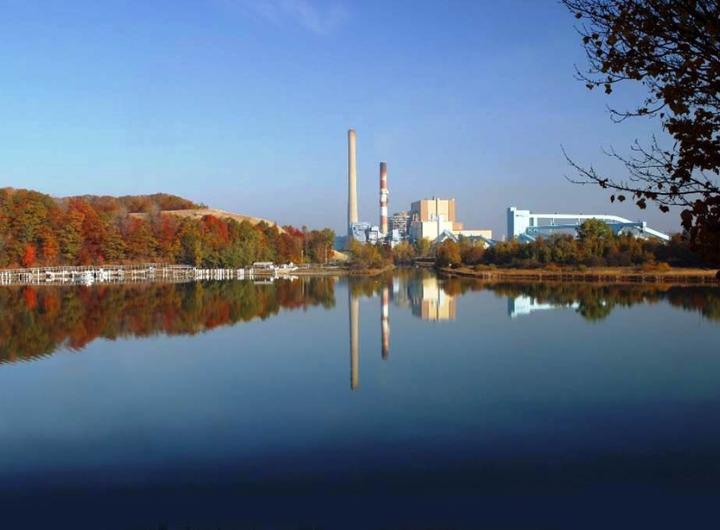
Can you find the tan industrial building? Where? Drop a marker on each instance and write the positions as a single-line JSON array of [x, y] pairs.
[[431, 218]]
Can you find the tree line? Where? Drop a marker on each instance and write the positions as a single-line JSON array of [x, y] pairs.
[[39, 230], [595, 246]]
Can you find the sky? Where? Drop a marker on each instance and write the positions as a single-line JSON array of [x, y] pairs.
[[244, 105]]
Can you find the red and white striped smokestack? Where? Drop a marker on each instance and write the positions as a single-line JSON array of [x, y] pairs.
[[384, 193]]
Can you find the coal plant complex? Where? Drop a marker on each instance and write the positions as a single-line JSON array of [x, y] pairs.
[[435, 219]]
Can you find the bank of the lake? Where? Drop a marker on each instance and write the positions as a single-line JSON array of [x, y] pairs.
[[599, 274], [341, 271]]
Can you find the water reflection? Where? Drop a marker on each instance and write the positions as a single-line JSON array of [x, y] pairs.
[[257, 421], [525, 305], [354, 310], [430, 301], [385, 322], [36, 321]]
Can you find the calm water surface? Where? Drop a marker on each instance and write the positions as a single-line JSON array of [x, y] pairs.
[[408, 401]]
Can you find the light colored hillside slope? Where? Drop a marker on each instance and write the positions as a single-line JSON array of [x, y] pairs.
[[220, 214]]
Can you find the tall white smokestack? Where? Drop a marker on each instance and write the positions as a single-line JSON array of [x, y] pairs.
[[352, 182]]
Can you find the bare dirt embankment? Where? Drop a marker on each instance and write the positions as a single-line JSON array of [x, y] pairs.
[[200, 213], [600, 274]]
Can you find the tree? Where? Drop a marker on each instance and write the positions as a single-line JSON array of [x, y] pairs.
[[448, 254], [594, 229], [423, 247], [471, 251], [140, 241], [70, 235], [403, 252], [28, 259], [673, 49], [49, 246]]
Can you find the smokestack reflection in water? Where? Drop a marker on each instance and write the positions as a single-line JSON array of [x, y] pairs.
[[354, 305]]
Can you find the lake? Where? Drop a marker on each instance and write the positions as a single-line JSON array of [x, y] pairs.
[[403, 401]]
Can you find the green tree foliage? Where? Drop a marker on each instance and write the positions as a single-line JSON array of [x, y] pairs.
[[93, 230], [672, 48], [594, 229]]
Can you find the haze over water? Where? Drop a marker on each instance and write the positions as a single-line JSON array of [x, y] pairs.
[[467, 405]]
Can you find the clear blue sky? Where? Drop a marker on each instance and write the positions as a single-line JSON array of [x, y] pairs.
[[245, 104]]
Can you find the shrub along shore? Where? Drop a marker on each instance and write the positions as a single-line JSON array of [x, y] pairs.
[[597, 274]]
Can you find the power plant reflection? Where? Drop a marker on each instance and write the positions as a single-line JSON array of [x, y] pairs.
[[423, 294]]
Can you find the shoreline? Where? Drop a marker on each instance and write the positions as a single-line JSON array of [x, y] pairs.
[[341, 271], [607, 275]]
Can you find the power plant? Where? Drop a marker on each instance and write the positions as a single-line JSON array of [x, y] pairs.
[[430, 218], [435, 219]]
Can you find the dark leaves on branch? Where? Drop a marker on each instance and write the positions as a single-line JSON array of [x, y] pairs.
[[673, 49]]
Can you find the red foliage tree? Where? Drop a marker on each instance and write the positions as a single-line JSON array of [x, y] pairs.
[[28, 259]]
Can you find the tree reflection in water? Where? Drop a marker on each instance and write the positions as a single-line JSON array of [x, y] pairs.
[[596, 301], [36, 321]]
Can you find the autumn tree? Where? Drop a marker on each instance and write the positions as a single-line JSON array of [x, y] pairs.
[[403, 252], [320, 245], [672, 48], [447, 254], [423, 247], [28, 259], [140, 240], [471, 251], [70, 235], [49, 246]]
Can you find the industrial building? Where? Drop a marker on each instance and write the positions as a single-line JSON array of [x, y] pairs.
[[432, 219], [400, 223], [526, 226]]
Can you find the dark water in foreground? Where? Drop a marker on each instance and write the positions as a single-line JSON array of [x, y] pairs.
[[402, 402]]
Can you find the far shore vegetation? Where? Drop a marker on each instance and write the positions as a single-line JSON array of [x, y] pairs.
[[39, 230], [595, 247]]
